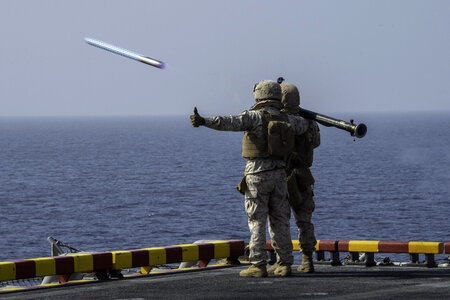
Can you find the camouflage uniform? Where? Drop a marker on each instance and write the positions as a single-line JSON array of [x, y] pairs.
[[266, 194], [303, 212], [301, 192]]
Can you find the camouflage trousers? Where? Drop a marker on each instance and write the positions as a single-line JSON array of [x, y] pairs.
[[266, 198], [302, 216]]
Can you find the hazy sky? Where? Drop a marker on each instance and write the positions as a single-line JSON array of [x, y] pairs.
[[345, 56]]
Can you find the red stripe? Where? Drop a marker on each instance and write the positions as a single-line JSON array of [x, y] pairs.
[[139, 258], [25, 269], [325, 245], [102, 261], [237, 248], [269, 245], [393, 247], [447, 247], [64, 265], [343, 246], [205, 251], [173, 254]]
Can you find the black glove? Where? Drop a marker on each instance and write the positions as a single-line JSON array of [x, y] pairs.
[[196, 119]]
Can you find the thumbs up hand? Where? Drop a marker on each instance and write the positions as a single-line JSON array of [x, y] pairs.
[[196, 119]]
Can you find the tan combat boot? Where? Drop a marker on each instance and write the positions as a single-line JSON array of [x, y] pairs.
[[271, 269], [307, 263], [254, 271], [283, 270]]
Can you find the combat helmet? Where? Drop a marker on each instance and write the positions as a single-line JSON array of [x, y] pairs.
[[290, 97], [267, 90]]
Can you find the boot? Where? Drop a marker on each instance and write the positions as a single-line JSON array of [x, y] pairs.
[[254, 271], [307, 263], [283, 270], [271, 269]]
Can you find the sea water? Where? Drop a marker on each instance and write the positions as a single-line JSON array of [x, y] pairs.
[[119, 183]]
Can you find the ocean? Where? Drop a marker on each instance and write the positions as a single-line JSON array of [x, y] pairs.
[[120, 183]]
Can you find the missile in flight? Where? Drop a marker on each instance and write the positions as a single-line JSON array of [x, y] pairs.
[[124, 52]]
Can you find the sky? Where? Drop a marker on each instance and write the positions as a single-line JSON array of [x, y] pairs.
[[344, 56]]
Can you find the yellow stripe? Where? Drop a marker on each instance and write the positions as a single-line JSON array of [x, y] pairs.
[[146, 269], [317, 245], [51, 284], [425, 247], [7, 271], [13, 289], [83, 263], [221, 249], [295, 245], [157, 256], [122, 260], [45, 266], [363, 246], [189, 252]]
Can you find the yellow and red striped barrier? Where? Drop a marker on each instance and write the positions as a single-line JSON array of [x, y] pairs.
[[57, 265], [322, 245], [203, 252], [391, 247], [371, 247], [413, 248], [117, 260]]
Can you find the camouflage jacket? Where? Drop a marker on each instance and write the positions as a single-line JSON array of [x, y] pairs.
[[251, 120]]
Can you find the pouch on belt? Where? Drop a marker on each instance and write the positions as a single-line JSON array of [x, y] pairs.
[[298, 181], [295, 197], [304, 177], [242, 186]]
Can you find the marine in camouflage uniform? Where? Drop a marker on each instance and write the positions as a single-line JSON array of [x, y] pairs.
[[265, 176], [300, 179]]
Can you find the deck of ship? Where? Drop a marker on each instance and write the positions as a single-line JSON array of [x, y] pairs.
[[342, 282]]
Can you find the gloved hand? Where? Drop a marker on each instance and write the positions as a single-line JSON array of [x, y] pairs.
[[196, 119]]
